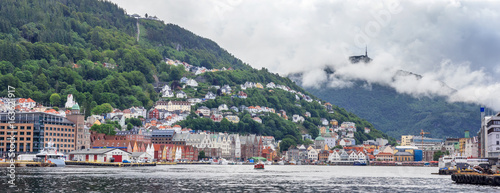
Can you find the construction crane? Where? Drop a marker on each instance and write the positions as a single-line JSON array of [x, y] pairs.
[[422, 133]]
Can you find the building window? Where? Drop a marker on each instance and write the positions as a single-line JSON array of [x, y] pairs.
[[28, 138], [28, 128], [3, 127], [28, 133], [498, 136], [498, 142], [22, 127], [21, 133]]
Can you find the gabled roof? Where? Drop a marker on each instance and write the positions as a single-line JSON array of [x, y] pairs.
[[95, 151]]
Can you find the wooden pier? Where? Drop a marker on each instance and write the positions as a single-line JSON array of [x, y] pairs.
[[109, 164], [28, 164]]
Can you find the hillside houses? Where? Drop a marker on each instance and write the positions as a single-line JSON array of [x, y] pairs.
[[210, 95], [242, 95], [226, 89], [181, 94], [192, 83], [167, 92], [171, 106]]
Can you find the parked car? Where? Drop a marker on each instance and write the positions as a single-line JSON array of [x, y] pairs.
[[126, 161]]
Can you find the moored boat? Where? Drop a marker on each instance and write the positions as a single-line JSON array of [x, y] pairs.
[[50, 154], [259, 166], [359, 163]]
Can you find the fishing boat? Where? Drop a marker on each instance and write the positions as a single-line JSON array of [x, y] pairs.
[[258, 166], [50, 154]]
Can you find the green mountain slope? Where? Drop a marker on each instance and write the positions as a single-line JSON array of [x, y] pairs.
[[401, 114], [88, 48]]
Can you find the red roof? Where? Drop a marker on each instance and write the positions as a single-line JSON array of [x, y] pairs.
[[28, 100]]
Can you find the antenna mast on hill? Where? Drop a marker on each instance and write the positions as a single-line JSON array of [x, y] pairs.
[[366, 51]]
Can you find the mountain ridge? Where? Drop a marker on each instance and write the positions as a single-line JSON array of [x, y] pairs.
[[378, 104]]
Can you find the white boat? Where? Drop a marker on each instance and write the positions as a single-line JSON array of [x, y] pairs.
[[223, 161], [445, 162], [281, 163], [268, 163], [450, 161], [239, 163], [26, 157], [50, 154]]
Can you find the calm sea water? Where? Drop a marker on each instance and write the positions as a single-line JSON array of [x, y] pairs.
[[236, 178]]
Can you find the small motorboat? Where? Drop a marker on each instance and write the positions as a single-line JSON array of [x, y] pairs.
[[259, 166]]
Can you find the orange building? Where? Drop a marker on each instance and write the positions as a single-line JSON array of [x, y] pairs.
[[34, 130]]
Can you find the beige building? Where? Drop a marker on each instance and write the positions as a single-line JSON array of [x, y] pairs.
[[406, 140], [174, 105], [82, 136]]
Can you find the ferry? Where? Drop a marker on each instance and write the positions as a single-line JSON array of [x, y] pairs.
[[50, 154], [459, 161]]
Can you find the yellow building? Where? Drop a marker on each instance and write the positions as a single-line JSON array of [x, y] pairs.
[[233, 118], [403, 156], [406, 140], [461, 143], [334, 123]]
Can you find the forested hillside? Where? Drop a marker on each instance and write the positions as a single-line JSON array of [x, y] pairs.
[[401, 114], [88, 48]]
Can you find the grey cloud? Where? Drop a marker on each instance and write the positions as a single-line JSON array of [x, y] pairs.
[[455, 42]]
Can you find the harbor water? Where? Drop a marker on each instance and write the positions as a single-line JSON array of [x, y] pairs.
[[235, 178]]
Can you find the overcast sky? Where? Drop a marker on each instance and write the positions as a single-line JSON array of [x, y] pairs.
[[451, 41]]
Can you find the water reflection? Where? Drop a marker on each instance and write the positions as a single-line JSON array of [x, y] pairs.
[[209, 178]]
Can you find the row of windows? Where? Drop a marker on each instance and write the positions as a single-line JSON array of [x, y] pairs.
[[60, 140], [20, 145], [63, 145], [493, 123], [9, 133], [15, 127], [61, 134], [59, 129], [19, 139]]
